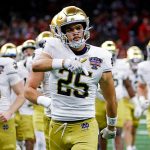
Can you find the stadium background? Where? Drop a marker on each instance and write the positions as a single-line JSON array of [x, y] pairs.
[[125, 22]]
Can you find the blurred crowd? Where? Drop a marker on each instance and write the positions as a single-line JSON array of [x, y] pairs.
[[125, 22]]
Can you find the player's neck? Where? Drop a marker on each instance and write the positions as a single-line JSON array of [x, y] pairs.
[[80, 51]]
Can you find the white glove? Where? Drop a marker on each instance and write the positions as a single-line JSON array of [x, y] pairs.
[[135, 101], [75, 66], [108, 134], [137, 107], [138, 111], [145, 103], [44, 101]]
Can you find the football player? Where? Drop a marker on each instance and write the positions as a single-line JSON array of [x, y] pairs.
[[76, 69], [28, 48], [144, 85], [10, 80], [23, 117], [121, 82], [44, 78], [41, 127], [133, 111]]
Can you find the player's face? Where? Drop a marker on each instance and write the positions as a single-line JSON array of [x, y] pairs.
[[134, 64], [74, 32], [28, 52]]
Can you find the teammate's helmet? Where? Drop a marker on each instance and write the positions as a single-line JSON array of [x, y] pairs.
[[40, 40], [70, 15], [148, 50], [19, 51], [29, 44], [53, 25], [111, 47], [9, 50], [134, 56]]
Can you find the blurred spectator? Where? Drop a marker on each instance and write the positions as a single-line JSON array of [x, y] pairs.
[[125, 22], [144, 31]]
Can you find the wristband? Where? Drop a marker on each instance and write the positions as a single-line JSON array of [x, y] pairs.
[[57, 63], [111, 121], [44, 101]]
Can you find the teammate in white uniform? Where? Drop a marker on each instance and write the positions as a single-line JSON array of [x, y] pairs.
[[76, 70], [144, 86], [43, 81], [23, 117], [41, 39], [9, 80], [120, 75], [133, 111], [44, 78]]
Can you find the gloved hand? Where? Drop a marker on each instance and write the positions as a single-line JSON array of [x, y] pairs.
[[135, 101], [138, 111], [137, 107], [75, 66], [145, 103], [108, 134]]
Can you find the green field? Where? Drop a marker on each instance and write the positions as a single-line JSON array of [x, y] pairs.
[[142, 138]]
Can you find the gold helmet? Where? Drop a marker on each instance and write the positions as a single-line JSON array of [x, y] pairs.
[[43, 35], [111, 47], [70, 15], [148, 50], [41, 38], [134, 56], [9, 50], [28, 44], [19, 51], [53, 25], [134, 52]]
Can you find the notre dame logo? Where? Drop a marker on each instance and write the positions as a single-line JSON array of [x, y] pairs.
[[72, 19], [1, 69], [15, 65], [85, 125], [5, 127]]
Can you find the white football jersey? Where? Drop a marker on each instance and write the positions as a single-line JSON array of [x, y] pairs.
[[23, 71], [120, 72], [144, 74], [8, 77], [73, 95], [133, 77]]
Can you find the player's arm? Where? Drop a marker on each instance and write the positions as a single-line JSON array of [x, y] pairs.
[[142, 89], [46, 63], [129, 88], [18, 88], [134, 99], [20, 99], [143, 95], [108, 91], [31, 93]]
